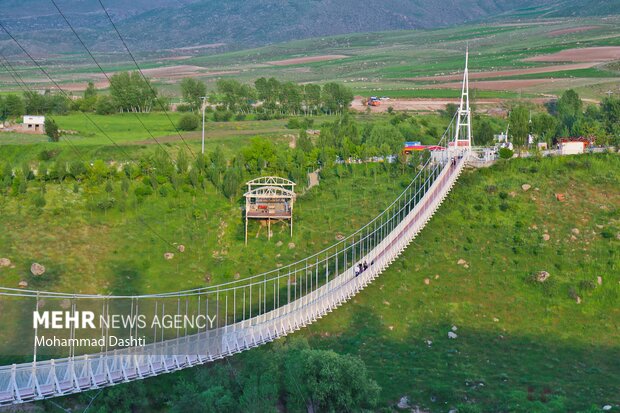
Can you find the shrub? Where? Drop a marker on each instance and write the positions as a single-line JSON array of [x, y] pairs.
[[505, 153], [188, 122], [184, 107]]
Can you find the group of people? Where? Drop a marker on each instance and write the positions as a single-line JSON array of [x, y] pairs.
[[360, 268]]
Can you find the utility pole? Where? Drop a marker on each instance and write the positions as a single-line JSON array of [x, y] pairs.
[[204, 105]]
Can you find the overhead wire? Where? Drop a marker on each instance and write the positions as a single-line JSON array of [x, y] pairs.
[[85, 115], [143, 76]]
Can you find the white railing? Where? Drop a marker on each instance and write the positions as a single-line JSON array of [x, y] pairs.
[[247, 312]]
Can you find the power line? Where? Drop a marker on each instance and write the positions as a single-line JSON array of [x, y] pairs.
[[102, 71], [143, 76], [87, 117]]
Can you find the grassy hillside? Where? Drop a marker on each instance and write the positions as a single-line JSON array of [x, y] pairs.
[[522, 346]]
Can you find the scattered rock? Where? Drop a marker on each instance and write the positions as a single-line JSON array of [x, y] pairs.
[[578, 300], [573, 238], [495, 319], [385, 302], [534, 226], [22, 284], [560, 197], [526, 187], [452, 335], [429, 343], [436, 276], [181, 248], [542, 276], [461, 261], [403, 403], [546, 237], [512, 194], [391, 328], [339, 237], [279, 244], [454, 328], [37, 269], [575, 231], [291, 245], [618, 235], [207, 278], [5, 262], [427, 281], [237, 276], [607, 407], [599, 280], [168, 255], [600, 226], [65, 304], [466, 266]]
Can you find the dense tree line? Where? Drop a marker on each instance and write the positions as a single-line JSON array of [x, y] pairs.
[[13, 106], [565, 118], [267, 98]]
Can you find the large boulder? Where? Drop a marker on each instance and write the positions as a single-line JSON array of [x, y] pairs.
[[37, 269]]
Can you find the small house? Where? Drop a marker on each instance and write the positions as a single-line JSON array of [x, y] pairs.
[[34, 124]]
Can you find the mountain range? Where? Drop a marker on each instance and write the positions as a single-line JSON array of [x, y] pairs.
[[215, 25]]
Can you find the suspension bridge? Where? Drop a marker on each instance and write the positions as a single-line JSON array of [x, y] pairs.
[[237, 315]]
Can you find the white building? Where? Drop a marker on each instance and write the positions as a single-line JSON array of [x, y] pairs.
[[33, 123], [571, 148]]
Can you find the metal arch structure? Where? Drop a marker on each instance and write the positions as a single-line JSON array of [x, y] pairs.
[[247, 312], [270, 192], [271, 181]]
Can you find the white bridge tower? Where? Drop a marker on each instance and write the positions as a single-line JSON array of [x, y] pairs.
[[462, 137]]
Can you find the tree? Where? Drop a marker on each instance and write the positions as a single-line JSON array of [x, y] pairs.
[[484, 133], [131, 92], [544, 126], [91, 91], [336, 97], [326, 381], [193, 90], [519, 125], [105, 105], [52, 130], [610, 112], [232, 180], [13, 106], [188, 122], [570, 109]]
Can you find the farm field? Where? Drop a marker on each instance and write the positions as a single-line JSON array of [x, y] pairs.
[[373, 62]]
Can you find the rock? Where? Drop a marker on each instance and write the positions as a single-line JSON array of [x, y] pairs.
[[436, 276], [452, 335], [279, 244], [5, 262], [495, 319], [65, 304], [168, 255], [37, 269], [403, 403], [600, 226], [599, 280], [607, 407], [385, 302], [573, 238], [427, 281], [618, 236], [291, 245], [546, 237], [578, 300], [22, 284], [391, 328], [429, 343], [461, 261], [560, 197], [237, 276], [512, 194], [339, 237], [181, 248], [466, 266], [526, 187], [575, 231], [454, 328], [542, 276]]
